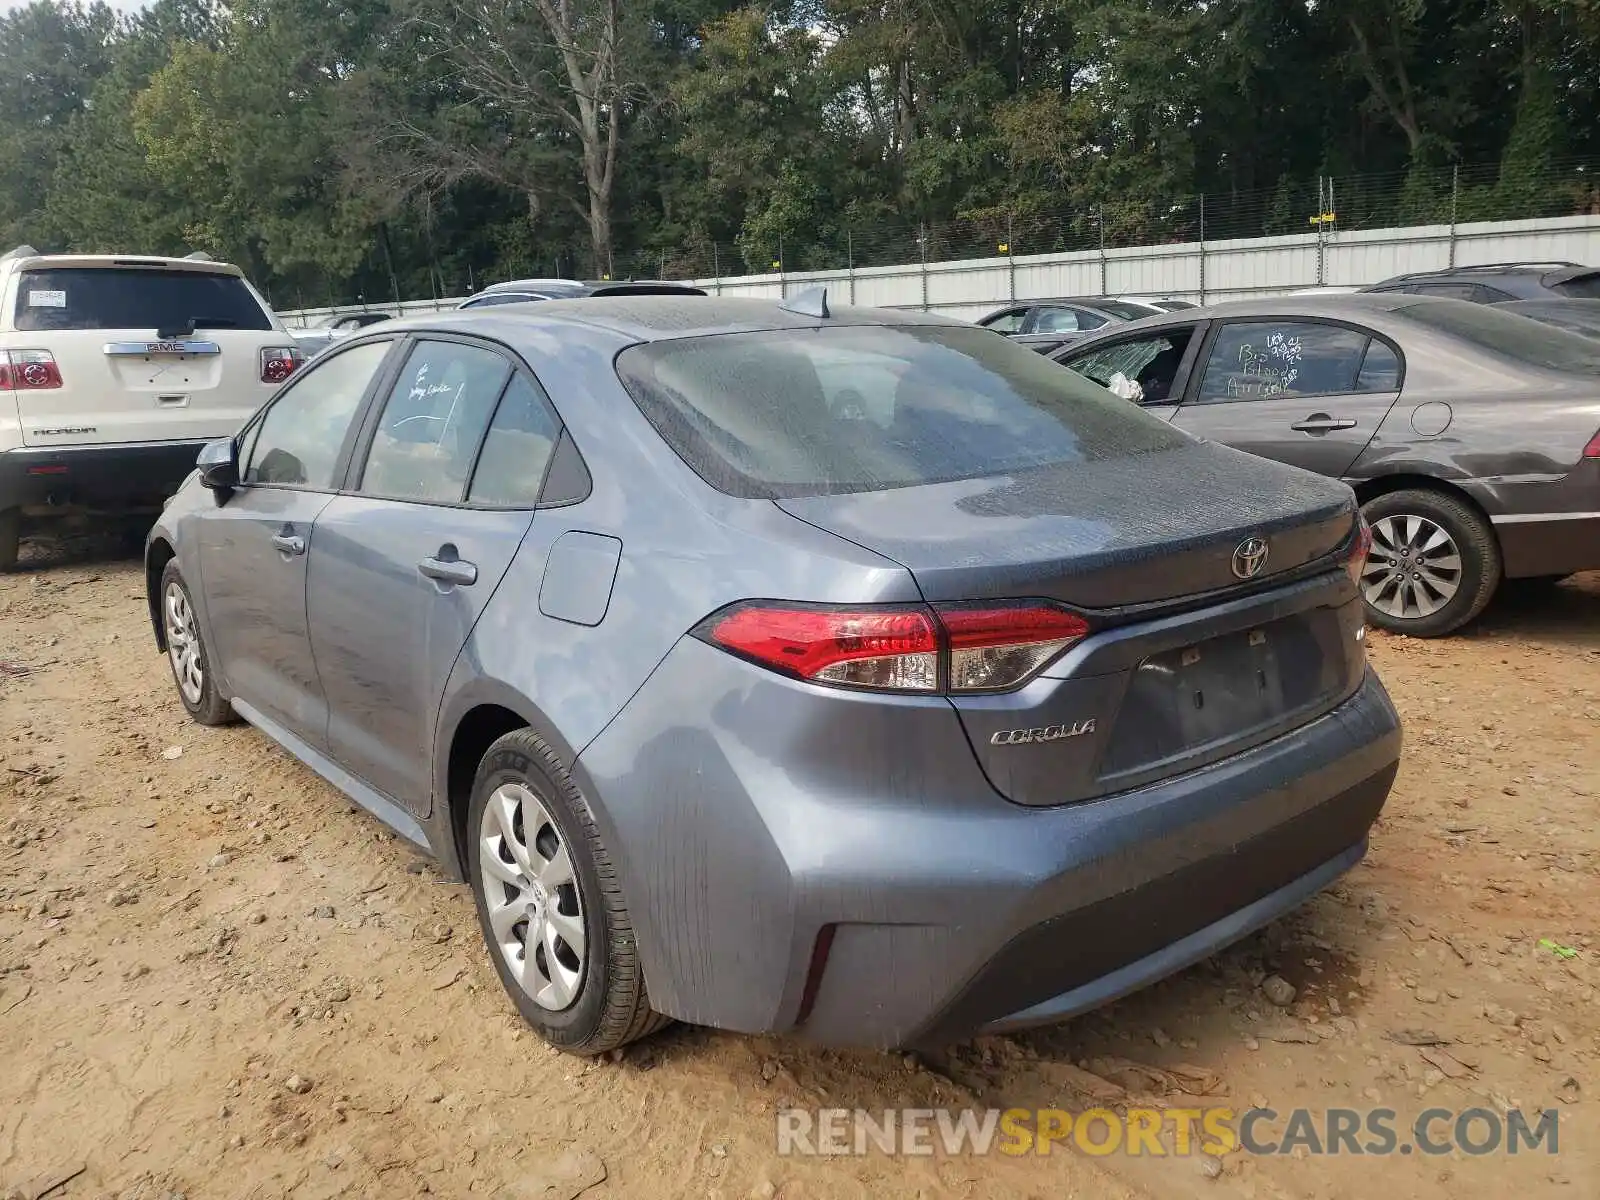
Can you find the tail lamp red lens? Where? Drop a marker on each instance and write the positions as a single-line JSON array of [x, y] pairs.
[[1360, 548], [901, 648], [29, 370], [1592, 450], [280, 362]]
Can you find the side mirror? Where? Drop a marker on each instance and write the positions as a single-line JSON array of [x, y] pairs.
[[219, 466]]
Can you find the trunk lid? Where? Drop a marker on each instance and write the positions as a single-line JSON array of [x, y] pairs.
[[1097, 535], [1157, 693]]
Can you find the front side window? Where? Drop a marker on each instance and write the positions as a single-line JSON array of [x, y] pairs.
[[433, 422], [840, 409], [1144, 370], [298, 441], [1009, 321], [1260, 360]]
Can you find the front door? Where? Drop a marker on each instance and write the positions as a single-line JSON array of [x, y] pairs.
[[255, 546], [1306, 393], [404, 565]]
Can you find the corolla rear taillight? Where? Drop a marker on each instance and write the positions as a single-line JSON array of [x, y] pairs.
[[1360, 547], [964, 648]]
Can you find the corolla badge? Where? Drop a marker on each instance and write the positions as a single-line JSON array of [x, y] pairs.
[[1045, 733], [1250, 557]]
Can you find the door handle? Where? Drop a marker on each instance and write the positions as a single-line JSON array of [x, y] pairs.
[[1322, 423], [289, 543], [449, 570]]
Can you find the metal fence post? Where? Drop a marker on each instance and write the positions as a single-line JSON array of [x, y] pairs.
[[1322, 225], [783, 286], [850, 261], [1101, 221], [716, 269], [1011, 261], [922, 253], [1202, 247], [1455, 197]]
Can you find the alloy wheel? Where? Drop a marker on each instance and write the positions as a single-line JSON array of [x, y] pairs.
[[1414, 568], [531, 892]]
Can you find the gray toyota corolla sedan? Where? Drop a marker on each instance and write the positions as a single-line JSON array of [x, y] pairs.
[[1471, 435], [856, 675]]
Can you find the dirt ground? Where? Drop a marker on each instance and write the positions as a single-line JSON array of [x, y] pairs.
[[218, 979]]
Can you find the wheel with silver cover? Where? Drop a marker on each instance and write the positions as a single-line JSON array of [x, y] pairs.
[[1434, 562], [549, 903], [186, 652]]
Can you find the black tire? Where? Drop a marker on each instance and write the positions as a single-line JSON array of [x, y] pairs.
[[1479, 552], [10, 537], [210, 707], [611, 1007]]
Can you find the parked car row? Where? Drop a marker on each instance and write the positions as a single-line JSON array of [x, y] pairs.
[[729, 649]]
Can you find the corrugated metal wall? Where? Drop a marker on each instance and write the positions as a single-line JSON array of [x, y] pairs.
[[1209, 271]]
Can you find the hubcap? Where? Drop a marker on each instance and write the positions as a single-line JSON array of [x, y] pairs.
[[183, 644], [1414, 568], [535, 911]]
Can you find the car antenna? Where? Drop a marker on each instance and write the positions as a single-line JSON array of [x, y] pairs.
[[21, 252], [813, 302], [198, 256]]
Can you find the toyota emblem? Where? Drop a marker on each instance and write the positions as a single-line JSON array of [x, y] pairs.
[[1250, 557]]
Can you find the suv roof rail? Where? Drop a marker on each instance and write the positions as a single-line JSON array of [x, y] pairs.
[[1501, 266], [23, 251]]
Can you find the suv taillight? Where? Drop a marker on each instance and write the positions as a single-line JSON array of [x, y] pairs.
[[280, 362], [958, 648], [1592, 450], [29, 370], [1360, 548]]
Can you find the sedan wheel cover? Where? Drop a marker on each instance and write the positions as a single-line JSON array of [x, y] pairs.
[[531, 893], [1414, 568], [183, 644]]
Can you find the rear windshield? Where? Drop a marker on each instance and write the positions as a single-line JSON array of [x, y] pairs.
[[135, 298], [1511, 336], [866, 408], [1584, 287], [1128, 312]]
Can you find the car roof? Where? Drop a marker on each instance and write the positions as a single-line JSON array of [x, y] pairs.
[[647, 318], [26, 258]]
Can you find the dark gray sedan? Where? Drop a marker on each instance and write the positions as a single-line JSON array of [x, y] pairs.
[[857, 675], [1471, 435]]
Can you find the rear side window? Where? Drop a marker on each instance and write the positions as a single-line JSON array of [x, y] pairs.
[[433, 422], [141, 298], [1258, 360], [863, 408], [1510, 336], [517, 451], [1380, 369]]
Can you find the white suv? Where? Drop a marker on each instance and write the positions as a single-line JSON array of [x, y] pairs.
[[115, 370]]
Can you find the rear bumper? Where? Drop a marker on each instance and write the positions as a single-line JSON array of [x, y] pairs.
[[115, 476], [1534, 544], [743, 836]]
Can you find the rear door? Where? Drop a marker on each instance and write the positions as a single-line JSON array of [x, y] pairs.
[[147, 352], [1308, 393], [404, 562], [254, 547]]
